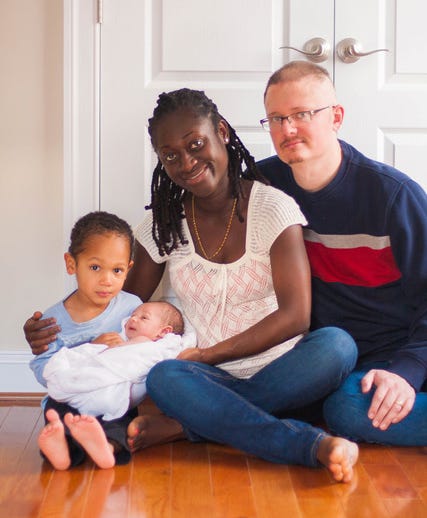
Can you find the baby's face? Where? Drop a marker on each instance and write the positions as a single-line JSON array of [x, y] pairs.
[[146, 320]]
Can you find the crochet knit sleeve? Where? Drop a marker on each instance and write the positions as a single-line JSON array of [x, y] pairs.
[[272, 212], [143, 234]]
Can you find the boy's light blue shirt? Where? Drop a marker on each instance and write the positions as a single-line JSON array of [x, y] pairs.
[[74, 333]]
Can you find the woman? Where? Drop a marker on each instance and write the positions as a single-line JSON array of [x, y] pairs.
[[237, 262]]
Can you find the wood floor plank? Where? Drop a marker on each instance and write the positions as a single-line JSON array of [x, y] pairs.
[[67, 493], [366, 506], [422, 491], [151, 483], [414, 464], [406, 508], [191, 482], [391, 481], [3, 414], [231, 483], [376, 454], [272, 489], [16, 459], [201, 480], [29, 473], [118, 502], [321, 506], [312, 483], [109, 493]]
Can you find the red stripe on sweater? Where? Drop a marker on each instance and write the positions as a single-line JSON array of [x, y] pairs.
[[361, 266]]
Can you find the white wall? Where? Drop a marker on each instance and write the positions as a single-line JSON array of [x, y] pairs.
[[31, 170]]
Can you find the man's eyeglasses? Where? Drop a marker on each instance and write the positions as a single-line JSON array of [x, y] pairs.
[[276, 121]]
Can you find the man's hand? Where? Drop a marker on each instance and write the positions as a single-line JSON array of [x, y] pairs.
[[393, 398], [110, 339], [39, 333]]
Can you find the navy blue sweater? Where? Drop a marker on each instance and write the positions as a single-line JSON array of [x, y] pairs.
[[367, 243]]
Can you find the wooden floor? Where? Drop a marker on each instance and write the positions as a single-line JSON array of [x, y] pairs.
[[201, 480]]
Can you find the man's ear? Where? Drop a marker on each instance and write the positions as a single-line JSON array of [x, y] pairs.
[[131, 263], [70, 263], [164, 331], [338, 114]]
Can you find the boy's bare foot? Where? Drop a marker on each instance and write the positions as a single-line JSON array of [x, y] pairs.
[[339, 456], [87, 431], [52, 442], [149, 430]]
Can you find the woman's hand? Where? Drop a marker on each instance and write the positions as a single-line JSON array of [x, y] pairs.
[[193, 354], [39, 333]]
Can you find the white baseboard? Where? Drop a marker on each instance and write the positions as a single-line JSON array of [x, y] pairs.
[[15, 373]]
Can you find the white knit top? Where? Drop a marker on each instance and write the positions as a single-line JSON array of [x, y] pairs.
[[222, 300]]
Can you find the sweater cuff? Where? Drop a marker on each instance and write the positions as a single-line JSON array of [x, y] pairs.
[[409, 369]]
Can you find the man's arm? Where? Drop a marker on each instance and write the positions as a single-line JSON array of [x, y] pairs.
[[396, 387]]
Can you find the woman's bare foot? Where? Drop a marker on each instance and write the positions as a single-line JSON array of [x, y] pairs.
[[52, 442], [149, 430], [87, 431], [339, 456]]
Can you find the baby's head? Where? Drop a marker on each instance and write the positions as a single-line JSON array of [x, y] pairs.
[[154, 320]]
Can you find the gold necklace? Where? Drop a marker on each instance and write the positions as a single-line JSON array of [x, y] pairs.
[[227, 231]]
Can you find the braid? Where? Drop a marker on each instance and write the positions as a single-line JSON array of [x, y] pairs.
[[168, 210], [238, 153], [167, 197]]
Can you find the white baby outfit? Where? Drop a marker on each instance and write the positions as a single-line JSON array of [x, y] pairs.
[[102, 381]]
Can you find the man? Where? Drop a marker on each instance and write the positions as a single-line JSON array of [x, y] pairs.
[[367, 244]]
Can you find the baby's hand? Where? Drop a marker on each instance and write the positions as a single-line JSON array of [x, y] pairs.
[[110, 339]]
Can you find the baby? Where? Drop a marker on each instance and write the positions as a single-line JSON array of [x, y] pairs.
[[107, 379]]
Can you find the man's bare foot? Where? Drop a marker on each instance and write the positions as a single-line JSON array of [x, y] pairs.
[[149, 430], [87, 431], [339, 456], [52, 442]]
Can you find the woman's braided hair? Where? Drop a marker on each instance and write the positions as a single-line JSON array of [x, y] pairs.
[[167, 197]]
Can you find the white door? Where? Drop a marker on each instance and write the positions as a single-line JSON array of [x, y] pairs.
[[385, 94], [229, 48]]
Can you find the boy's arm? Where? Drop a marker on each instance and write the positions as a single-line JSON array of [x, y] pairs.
[[38, 363]]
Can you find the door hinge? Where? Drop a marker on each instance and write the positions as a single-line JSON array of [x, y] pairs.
[[99, 11]]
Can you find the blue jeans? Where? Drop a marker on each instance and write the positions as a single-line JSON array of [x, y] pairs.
[[213, 405], [346, 413]]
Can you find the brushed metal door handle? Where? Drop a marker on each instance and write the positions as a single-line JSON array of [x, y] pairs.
[[350, 50], [316, 49]]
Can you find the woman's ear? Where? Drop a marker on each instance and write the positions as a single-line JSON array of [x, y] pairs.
[[70, 263], [223, 131]]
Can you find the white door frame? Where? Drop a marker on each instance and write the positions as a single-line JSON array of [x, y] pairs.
[[81, 109]]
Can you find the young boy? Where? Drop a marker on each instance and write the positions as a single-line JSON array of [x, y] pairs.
[[100, 256]]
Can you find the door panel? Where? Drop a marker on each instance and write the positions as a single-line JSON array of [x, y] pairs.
[[385, 94], [309, 19]]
